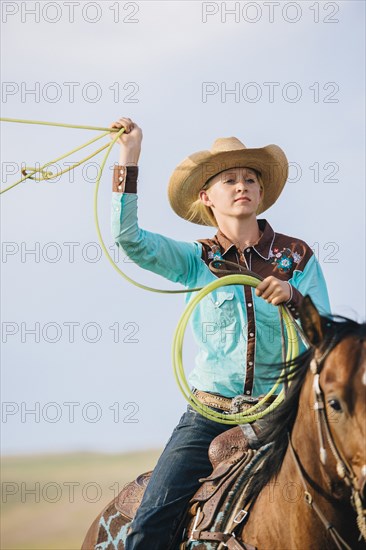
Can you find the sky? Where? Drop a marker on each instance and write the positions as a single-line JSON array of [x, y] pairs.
[[86, 356]]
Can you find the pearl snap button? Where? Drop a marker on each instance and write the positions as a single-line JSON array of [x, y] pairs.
[[247, 392]]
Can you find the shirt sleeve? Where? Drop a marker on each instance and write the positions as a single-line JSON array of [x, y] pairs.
[[174, 260], [310, 281]]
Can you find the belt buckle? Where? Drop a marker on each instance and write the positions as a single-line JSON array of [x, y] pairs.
[[239, 400]]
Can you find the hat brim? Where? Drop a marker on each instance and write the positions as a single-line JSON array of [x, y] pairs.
[[193, 172]]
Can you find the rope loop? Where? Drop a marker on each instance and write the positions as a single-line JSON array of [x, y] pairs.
[[45, 175]]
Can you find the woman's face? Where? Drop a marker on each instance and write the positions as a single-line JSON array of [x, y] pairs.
[[233, 193]]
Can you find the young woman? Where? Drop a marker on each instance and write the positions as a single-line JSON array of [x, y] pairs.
[[234, 327]]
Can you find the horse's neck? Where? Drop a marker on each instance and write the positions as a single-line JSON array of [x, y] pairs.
[[281, 509]]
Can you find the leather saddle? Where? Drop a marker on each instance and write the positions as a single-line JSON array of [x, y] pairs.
[[128, 500], [225, 453]]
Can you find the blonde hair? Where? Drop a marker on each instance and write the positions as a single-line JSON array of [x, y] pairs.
[[198, 210]]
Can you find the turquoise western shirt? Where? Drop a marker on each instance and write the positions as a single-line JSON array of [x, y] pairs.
[[237, 333]]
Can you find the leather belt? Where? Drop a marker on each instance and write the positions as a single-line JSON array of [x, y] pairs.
[[232, 405]]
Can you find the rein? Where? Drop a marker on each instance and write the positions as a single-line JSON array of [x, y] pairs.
[[338, 540], [344, 468]]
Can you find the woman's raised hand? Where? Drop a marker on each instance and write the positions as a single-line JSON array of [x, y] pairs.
[[130, 140]]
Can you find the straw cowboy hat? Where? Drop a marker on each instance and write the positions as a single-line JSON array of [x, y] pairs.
[[193, 172]]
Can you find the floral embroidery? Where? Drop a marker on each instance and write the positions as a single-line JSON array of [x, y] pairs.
[[284, 259], [215, 254]]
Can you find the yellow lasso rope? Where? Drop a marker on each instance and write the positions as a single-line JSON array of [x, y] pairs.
[[249, 415], [48, 176], [42, 170]]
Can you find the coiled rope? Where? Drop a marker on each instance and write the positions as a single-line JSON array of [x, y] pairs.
[[251, 414]]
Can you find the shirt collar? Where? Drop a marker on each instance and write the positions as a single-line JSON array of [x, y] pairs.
[[263, 247]]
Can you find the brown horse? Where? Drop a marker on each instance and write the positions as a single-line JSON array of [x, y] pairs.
[[308, 491]]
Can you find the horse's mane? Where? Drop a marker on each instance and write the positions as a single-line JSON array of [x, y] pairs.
[[275, 427]]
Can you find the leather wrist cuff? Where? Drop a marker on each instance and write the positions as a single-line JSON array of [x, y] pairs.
[[125, 179]]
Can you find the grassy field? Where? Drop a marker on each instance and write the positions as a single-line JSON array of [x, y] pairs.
[[49, 501]]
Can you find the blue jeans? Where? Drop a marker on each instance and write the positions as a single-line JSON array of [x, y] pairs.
[[173, 483]]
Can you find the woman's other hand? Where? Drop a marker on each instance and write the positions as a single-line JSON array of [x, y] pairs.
[[273, 290]]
